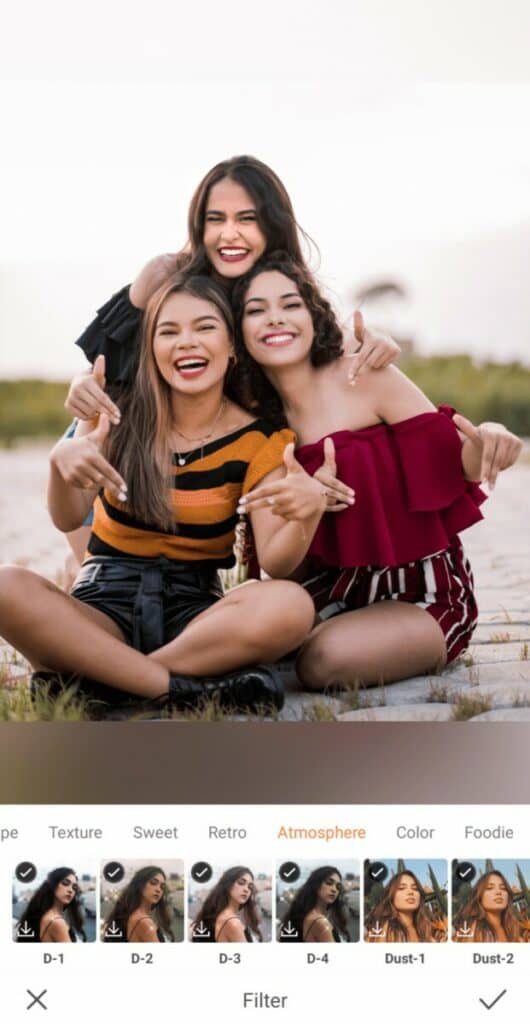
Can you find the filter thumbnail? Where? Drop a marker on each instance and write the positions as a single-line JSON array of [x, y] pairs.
[[54, 903], [405, 901], [317, 902], [491, 900], [142, 901], [230, 903]]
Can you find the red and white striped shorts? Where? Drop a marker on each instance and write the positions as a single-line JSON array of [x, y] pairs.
[[442, 584]]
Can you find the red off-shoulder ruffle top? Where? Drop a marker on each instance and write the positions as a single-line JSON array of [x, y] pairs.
[[411, 498]]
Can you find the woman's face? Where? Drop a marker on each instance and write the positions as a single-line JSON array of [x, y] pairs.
[[330, 889], [66, 890], [192, 345], [277, 325], [153, 889], [241, 890], [495, 895], [233, 238], [407, 896]]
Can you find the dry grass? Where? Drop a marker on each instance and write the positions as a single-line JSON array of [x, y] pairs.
[[466, 706], [318, 711], [438, 693]]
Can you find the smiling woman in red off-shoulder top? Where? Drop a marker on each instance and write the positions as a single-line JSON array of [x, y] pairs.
[[386, 567]]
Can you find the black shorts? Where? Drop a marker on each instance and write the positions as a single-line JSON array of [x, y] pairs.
[[151, 599]]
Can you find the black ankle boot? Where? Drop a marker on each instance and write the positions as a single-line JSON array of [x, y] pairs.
[[258, 688]]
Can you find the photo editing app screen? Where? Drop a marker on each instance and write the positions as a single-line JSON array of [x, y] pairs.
[[265, 478]]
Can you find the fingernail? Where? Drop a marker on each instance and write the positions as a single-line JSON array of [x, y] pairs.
[[240, 510], [122, 496], [242, 500], [351, 501]]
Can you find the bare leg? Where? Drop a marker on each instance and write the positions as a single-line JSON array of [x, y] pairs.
[[252, 623], [381, 643], [56, 631]]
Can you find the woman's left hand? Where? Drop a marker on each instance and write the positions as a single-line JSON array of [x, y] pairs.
[[494, 447], [297, 496], [376, 350]]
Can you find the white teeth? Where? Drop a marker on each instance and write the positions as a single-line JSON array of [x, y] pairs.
[[233, 252], [278, 339], [189, 364]]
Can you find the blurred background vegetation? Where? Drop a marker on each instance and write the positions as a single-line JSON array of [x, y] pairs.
[[34, 409]]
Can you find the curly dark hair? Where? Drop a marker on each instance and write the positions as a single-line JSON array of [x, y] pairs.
[[130, 899], [43, 899], [306, 900], [217, 901], [257, 391]]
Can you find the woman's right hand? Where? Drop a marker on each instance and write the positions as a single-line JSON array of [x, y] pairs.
[[86, 398], [151, 277], [80, 462]]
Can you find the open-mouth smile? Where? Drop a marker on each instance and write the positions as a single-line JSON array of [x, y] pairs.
[[232, 254], [191, 366], [278, 339]]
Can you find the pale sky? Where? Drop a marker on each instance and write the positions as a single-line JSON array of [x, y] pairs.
[[400, 131]]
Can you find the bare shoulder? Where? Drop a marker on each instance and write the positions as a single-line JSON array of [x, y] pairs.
[[57, 931], [317, 929], [394, 396], [141, 929], [232, 931]]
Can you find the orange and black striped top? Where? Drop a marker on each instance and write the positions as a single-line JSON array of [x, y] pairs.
[[205, 494]]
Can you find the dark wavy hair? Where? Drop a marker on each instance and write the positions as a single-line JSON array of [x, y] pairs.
[[130, 899], [257, 391], [217, 901], [306, 900], [138, 447], [274, 211], [472, 913], [386, 915], [43, 899]]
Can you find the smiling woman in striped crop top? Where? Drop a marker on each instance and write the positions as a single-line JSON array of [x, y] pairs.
[[146, 617]]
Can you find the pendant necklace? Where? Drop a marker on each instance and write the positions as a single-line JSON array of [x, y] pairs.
[[181, 456]]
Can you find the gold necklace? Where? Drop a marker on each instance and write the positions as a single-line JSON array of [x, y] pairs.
[[181, 456]]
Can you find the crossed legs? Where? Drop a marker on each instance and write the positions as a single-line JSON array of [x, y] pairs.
[[257, 622]]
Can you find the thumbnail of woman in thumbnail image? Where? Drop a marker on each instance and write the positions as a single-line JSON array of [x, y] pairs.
[[492, 910], [318, 912], [143, 911], [229, 912], [54, 912], [405, 912]]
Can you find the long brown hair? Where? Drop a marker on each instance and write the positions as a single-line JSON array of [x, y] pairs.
[[257, 391], [274, 212], [139, 447], [217, 901], [386, 915], [473, 914], [130, 899]]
